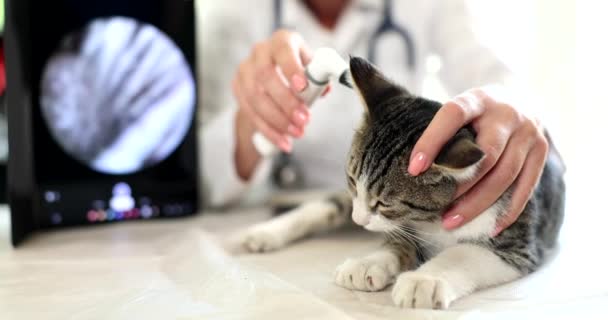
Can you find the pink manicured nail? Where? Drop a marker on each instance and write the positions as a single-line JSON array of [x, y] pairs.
[[285, 144], [418, 164], [298, 82], [452, 221], [496, 231], [300, 117], [294, 131]]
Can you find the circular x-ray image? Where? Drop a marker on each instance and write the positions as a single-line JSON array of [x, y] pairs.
[[118, 95]]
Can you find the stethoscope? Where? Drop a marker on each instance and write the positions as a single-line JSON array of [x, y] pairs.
[[286, 174]]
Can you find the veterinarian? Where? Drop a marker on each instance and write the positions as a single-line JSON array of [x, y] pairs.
[[253, 58]]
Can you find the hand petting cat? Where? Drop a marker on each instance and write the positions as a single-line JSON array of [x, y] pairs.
[[515, 148]]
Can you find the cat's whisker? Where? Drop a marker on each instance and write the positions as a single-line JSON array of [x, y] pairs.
[[398, 237], [418, 231], [407, 237], [414, 240], [417, 237], [413, 233], [401, 239]]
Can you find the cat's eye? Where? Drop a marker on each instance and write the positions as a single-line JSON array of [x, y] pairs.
[[351, 181], [412, 206], [352, 185], [379, 205], [388, 213]]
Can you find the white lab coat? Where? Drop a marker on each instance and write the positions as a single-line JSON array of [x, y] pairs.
[[229, 29]]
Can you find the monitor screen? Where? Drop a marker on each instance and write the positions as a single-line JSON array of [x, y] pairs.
[[102, 109], [117, 95], [1, 16]]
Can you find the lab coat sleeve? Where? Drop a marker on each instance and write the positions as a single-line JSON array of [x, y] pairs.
[[222, 185], [466, 62], [222, 45]]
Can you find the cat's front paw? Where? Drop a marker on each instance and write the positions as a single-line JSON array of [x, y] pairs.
[[364, 275], [262, 238], [422, 291]]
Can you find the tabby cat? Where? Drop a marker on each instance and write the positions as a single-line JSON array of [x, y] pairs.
[[429, 266]]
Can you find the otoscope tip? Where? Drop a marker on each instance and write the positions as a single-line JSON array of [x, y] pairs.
[[345, 79]]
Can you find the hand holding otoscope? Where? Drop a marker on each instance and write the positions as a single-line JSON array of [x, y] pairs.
[[325, 65]]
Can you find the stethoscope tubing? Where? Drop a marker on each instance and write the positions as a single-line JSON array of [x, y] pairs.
[[284, 167]]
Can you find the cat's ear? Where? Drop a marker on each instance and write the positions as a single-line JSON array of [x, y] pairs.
[[372, 85], [460, 158]]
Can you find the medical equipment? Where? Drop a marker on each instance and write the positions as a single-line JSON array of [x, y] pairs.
[[387, 25], [325, 64], [119, 110]]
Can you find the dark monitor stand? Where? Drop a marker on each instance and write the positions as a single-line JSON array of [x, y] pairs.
[[51, 184]]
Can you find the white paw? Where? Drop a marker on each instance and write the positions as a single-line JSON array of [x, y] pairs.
[[365, 274], [422, 291], [262, 238]]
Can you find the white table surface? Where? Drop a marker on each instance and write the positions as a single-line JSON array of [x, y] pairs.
[[175, 269]]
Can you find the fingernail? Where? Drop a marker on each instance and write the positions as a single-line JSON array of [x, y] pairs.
[[305, 110], [298, 82], [300, 117], [294, 131], [418, 164], [452, 221], [496, 231], [285, 144]]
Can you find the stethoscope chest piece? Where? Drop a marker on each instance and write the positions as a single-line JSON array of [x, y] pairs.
[[286, 174]]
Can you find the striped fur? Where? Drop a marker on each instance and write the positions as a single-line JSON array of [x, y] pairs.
[[431, 267]]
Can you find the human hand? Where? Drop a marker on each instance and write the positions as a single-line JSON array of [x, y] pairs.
[[515, 149], [267, 84]]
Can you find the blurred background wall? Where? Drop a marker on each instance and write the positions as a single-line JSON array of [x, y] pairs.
[[536, 39]]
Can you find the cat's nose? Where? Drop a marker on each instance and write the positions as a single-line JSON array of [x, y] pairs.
[[361, 217]]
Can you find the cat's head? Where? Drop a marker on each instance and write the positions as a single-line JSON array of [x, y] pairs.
[[385, 195]]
